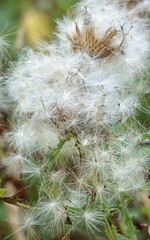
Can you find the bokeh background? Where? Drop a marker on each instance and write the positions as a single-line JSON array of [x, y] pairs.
[[29, 21], [25, 23]]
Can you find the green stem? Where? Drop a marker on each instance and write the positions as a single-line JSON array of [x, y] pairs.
[[110, 231], [52, 158], [110, 228], [128, 221]]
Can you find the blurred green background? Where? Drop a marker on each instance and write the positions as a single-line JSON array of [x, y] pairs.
[[28, 21]]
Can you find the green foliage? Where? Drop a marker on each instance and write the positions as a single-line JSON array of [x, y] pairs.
[[111, 230], [121, 237], [52, 157], [130, 229], [65, 4], [54, 153], [2, 192]]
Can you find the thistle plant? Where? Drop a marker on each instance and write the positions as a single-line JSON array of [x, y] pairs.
[[76, 131]]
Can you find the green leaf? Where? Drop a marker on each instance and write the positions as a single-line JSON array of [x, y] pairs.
[[148, 132], [111, 230], [121, 216], [2, 192], [127, 196], [55, 152], [52, 157], [133, 212], [121, 237], [130, 227]]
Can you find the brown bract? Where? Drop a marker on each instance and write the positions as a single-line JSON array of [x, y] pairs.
[[86, 41], [66, 237], [129, 3]]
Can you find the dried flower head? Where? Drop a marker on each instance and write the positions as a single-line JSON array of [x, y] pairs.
[[79, 96], [87, 41]]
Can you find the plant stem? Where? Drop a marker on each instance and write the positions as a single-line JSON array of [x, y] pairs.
[[130, 228], [52, 158], [112, 235]]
